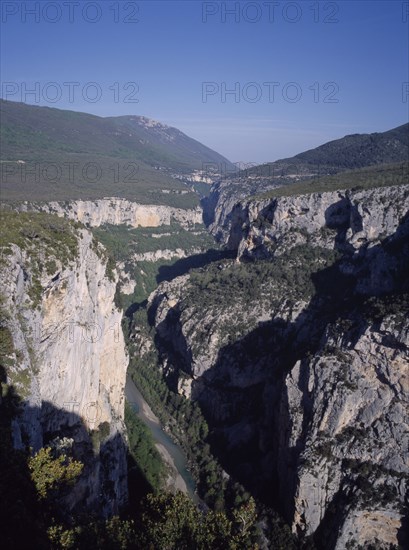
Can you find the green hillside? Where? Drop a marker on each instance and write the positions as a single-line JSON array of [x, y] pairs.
[[54, 154], [363, 160], [362, 178], [359, 150], [350, 152]]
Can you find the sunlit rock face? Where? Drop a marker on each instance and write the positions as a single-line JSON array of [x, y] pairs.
[[69, 367], [117, 211], [304, 379]]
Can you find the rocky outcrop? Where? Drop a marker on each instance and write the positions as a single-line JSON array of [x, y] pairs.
[[249, 223], [357, 219], [116, 211], [356, 159], [343, 411], [126, 283], [301, 362], [68, 363], [218, 207], [166, 254]]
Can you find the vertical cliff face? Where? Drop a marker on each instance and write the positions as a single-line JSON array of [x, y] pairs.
[[68, 359], [116, 211], [298, 354], [223, 208], [343, 430], [349, 220]]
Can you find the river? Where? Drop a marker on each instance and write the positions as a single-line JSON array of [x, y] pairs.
[[170, 452]]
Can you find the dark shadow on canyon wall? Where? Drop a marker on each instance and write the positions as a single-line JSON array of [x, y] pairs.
[[182, 266], [94, 495], [248, 417]]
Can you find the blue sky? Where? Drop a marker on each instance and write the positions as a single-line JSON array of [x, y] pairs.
[[299, 73]]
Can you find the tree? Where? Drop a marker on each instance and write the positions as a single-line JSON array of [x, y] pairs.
[[112, 534], [244, 524], [171, 521], [49, 473], [217, 531]]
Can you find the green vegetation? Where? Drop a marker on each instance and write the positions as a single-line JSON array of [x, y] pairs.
[[161, 520], [172, 521], [145, 274], [368, 160], [19, 500], [44, 237], [29, 231], [358, 150], [109, 268], [70, 155], [21, 380], [290, 274], [360, 179], [376, 308], [348, 153], [113, 534], [126, 137], [371, 490], [122, 242], [165, 521], [6, 345], [99, 435], [103, 177], [49, 473], [186, 423], [142, 449], [32, 486]]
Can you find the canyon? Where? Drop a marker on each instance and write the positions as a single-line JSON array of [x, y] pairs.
[[265, 353], [303, 378], [305, 385]]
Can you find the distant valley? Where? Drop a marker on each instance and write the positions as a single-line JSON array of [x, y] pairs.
[[66, 155]]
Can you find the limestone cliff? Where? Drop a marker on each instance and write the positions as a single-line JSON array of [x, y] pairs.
[[165, 254], [68, 359], [116, 211], [298, 353], [348, 219]]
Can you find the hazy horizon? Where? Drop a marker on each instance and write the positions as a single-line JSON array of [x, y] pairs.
[[255, 81]]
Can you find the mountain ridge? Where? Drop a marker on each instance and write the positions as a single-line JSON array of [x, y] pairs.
[[72, 155], [360, 160], [400, 134]]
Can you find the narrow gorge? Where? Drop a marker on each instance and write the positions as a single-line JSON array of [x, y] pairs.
[[223, 369], [300, 377], [303, 376]]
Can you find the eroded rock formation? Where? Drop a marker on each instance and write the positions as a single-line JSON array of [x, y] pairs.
[[117, 211], [300, 361], [68, 364]]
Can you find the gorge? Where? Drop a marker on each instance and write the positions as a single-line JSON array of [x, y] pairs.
[[270, 344]]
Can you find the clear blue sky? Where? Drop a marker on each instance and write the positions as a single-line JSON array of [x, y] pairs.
[[303, 72]]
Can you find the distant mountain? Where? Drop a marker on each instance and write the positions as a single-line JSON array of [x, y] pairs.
[[358, 160], [352, 152], [359, 150], [137, 158]]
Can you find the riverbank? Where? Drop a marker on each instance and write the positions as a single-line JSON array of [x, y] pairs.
[[178, 476], [174, 481]]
